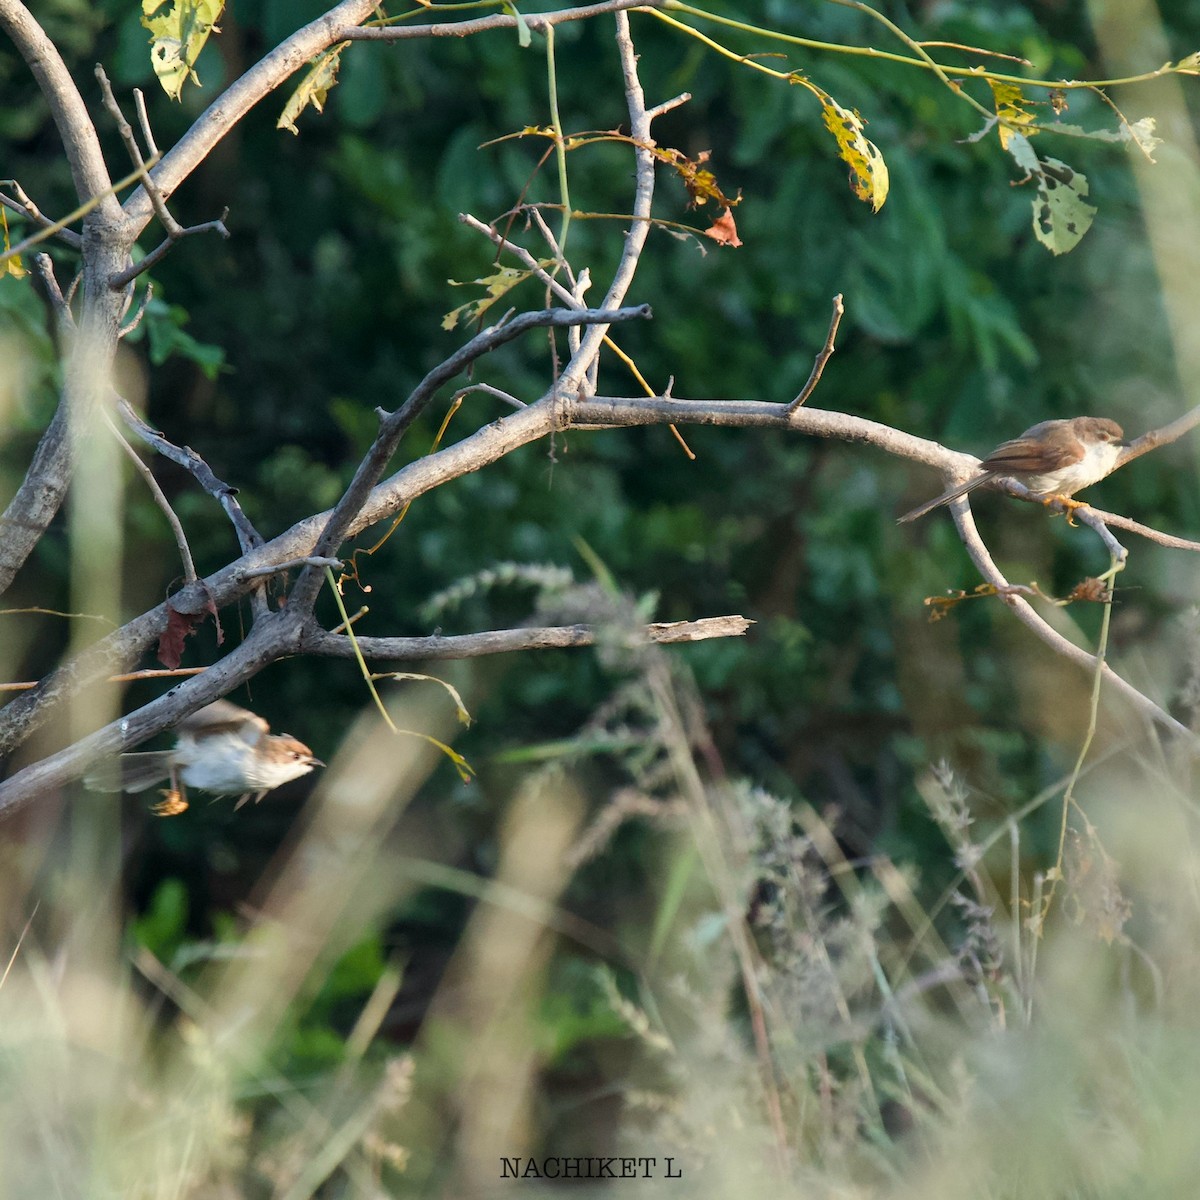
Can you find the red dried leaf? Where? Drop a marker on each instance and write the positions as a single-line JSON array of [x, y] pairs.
[[723, 230], [180, 626]]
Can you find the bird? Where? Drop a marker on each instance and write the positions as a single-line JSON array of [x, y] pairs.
[[1053, 459], [220, 748]]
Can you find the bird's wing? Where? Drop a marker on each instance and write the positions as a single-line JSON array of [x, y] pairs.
[[1032, 456], [223, 717]]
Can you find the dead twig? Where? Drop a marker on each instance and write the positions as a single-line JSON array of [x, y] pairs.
[[185, 553], [823, 355]]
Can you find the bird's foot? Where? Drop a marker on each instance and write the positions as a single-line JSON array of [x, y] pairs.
[[173, 802], [1065, 505]]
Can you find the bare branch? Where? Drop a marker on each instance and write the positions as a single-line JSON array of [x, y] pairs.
[[539, 21], [396, 424], [240, 97], [524, 257], [1160, 437], [26, 208], [611, 411], [185, 553], [488, 390], [70, 114], [59, 309], [248, 537], [667, 106], [132, 149], [123, 278], [144, 121], [143, 304], [1028, 616], [291, 564], [823, 356], [639, 229], [507, 641], [1153, 535]]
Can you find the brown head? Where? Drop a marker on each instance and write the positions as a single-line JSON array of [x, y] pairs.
[[1099, 430], [280, 758]]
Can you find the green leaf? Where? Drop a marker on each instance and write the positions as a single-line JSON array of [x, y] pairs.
[[178, 31], [314, 88], [1061, 215], [870, 174], [523, 34]]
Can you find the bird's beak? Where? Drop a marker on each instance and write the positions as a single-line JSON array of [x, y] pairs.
[[313, 761]]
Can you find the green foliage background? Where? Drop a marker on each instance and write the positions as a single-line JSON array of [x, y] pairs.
[[270, 352]]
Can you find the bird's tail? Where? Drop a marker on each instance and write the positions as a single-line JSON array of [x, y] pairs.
[[130, 772], [953, 494]]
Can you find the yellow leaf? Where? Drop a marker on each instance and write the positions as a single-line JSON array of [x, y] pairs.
[[178, 31], [314, 87], [10, 266], [1010, 110], [869, 177], [499, 284]]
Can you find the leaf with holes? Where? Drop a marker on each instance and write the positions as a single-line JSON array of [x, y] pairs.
[[869, 173], [178, 31], [1061, 215], [314, 88], [499, 284]]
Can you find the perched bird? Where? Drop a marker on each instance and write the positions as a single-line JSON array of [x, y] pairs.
[[1054, 459], [222, 749]]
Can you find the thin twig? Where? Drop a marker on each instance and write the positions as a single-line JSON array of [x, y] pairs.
[[72, 239], [124, 677], [139, 102], [248, 537], [823, 356], [1152, 535], [488, 390], [292, 564], [1160, 437], [396, 424], [57, 227], [535, 21], [44, 265], [1024, 611], [125, 277], [173, 228], [143, 304], [667, 105], [189, 567]]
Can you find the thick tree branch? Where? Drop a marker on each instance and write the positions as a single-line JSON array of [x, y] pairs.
[[271, 638], [396, 424], [507, 641], [75, 128], [121, 650], [240, 97]]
